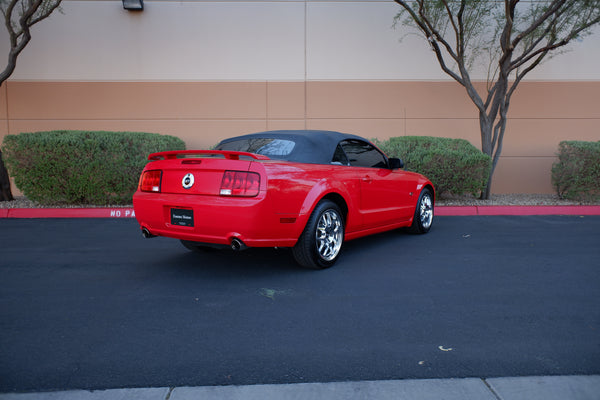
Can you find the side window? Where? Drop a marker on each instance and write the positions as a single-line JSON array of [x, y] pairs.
[[339, 157], [362, 154]]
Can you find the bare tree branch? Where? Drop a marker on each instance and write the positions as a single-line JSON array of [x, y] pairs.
[[435, 38], [18, 24], [554, 9]]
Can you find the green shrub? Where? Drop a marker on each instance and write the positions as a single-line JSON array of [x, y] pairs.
[[576, 174], [454, 166], [79, 167]]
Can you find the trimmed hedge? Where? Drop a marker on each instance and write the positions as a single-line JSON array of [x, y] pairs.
[[79, 167], [576, 174], [454, 166]]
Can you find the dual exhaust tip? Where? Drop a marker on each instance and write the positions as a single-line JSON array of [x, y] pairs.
[[146, 233], [236, 244]]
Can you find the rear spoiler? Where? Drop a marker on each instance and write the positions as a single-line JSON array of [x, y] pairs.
[[230, 155]]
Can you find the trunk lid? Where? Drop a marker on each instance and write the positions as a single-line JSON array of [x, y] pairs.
[[198, 172]]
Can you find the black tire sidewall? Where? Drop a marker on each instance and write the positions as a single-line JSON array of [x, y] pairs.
[[305, 251], [417, 225]]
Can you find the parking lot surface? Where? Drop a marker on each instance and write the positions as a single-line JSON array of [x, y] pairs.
[[89, 304]]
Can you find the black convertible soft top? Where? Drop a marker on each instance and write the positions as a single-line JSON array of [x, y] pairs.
[[310, 146]]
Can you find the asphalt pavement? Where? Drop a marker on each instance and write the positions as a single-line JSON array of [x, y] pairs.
[[479, 307]]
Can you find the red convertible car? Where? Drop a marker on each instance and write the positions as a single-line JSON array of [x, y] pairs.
[[307, 190]]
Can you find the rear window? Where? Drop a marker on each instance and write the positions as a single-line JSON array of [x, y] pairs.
[[272, 148]]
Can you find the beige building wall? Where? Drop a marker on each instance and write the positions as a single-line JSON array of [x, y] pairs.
[[205, 70]]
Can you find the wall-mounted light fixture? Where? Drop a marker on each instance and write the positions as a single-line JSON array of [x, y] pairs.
[[133, 5]]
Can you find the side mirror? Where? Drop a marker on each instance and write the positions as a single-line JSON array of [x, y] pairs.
[[395, 163]]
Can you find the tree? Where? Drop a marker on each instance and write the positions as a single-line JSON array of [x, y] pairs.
[[19, 17], [510, 37]]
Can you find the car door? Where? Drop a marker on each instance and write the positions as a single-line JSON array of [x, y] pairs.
[[384, 195]]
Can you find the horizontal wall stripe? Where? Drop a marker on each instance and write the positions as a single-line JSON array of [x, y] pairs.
[[203, 113]]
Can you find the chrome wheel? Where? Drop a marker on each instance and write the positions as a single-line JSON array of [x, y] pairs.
[[329, 235], [426, 210], [423, 217], [320, 244]]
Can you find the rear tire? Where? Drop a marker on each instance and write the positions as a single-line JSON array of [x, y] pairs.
[[321, 241], [423, 218]]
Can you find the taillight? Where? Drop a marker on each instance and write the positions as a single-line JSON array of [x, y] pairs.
[[238, 183], [150, 181]]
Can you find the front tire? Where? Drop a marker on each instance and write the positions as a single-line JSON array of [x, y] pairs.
[[321, 241], [423, 218]]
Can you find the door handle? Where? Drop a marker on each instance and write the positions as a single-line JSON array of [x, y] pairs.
[[367, 179]]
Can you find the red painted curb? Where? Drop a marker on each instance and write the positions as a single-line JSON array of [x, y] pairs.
[[68, 213], [455, 211], [516, 210], [450, 211], [539, 210]]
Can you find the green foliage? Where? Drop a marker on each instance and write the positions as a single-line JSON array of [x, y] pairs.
[[454, 166], [576, 174], [79, 167]]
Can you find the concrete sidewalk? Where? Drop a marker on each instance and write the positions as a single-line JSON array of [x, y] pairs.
[[520, 388]]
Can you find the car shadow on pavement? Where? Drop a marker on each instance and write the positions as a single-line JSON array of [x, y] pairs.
[[255, 261], [269, 261]]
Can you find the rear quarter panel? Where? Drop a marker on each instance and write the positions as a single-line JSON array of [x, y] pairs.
[[295, 189]]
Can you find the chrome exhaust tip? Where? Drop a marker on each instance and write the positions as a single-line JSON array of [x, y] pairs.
[[237, 244], [146, 233]]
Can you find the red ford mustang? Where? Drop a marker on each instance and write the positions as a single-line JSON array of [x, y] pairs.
[[308, 190]]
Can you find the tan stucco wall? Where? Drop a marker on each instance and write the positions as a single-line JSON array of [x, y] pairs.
[[202, 113], [204, 70], [245, 40]]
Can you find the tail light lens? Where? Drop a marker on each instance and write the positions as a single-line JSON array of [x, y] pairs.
[[239, 183], [150, 181]]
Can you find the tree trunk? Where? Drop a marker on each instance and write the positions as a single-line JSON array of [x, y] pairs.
[[485, 195], [5, 192], [486, 128], [491, 144]]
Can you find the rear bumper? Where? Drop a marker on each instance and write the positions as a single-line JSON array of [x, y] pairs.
[[218, 219]]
